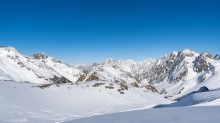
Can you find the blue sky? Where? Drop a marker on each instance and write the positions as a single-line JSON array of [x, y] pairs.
[[87, 31]]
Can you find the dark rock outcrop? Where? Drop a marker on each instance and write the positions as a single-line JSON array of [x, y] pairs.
[[60, 80], [40, 55], [203, 89], [201, 63]]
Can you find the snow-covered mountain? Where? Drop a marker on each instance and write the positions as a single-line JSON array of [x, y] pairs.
[[179, 73], [39, 88], [173, 75], [38, 68]]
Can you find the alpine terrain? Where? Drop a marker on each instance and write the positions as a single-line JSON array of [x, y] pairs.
[[39, 88]]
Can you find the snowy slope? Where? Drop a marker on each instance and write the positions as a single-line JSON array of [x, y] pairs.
[[202, 107], [163, 115], [25, 102], [198, 98]]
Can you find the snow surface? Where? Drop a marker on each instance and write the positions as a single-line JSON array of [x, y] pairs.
[[164, 115], [197, 98], [201, 110], [23, 102]]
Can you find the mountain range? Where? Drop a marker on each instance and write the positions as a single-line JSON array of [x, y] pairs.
[[39, 88], [171, 75]]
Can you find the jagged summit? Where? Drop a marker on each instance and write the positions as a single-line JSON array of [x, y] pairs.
[[206, 55], [40, 55], [186, 50], [187, 53], [181, 54]]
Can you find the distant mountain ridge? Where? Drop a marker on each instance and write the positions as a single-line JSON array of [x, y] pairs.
[[172, 75]]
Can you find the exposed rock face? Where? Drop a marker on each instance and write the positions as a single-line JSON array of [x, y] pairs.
[[21, 64], [40, 55], [161, 68], [92, 77], [153, 89], [176, 77], [59, 80], [134, 84], [201, 62], [109, 87], [171, 66], [81, 78], [98, 84]]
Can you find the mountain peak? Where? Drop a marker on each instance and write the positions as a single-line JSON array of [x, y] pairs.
[[8, 48], [186, 51], [40, 55], [206, 54], [217, 57], [109, 59]]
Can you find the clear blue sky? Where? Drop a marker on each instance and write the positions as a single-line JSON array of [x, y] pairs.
[[87, 31]]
